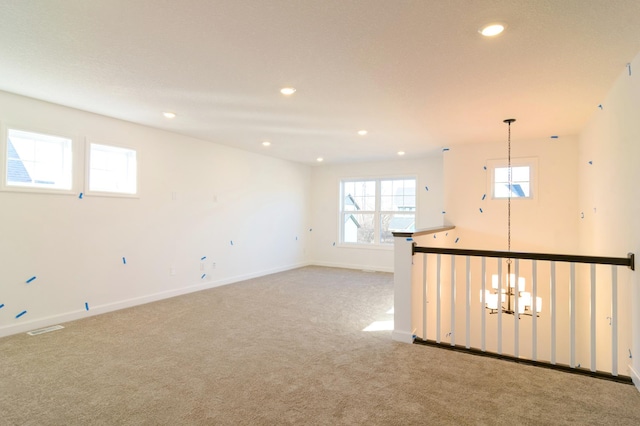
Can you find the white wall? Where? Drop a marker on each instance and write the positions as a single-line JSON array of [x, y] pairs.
[[546, 223], [75, 246], [610, 194], [325, 184]]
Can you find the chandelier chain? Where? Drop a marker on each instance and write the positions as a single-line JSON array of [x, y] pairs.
[[510, 188]]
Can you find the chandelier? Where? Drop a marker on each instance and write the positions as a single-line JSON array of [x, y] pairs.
[[513, 299]]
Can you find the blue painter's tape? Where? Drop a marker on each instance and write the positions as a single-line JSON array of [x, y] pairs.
[[457, 239], [310, 229], [591, 162], [484, 196], [554, 137], [484, 167], [434, 235], [481, 210], [202, 277], [203, 257], [296, 238], [31, 279], [446, 234], [231, 242], [600, 106], [629, 68], [334, 244], [445, 149], [443, 212], [80, 196], [124, 260], [426, 187], [630, 356], [1, 305], [409, 239], [21, 314], [86, 306]]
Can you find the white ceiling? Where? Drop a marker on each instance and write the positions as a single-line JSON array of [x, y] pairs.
[[415, 74]]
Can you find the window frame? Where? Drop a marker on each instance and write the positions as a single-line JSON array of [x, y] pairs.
[[377, 212], [76, 164], [531, 162], [87, 172]]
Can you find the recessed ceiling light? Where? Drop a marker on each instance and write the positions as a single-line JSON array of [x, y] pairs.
[[266, 143], [319, 159], [492, 30], [362, 132], [169, 114], [287, 91], [400, 153]]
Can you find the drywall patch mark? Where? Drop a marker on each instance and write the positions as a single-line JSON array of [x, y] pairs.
[[21, 314], [31, 279]]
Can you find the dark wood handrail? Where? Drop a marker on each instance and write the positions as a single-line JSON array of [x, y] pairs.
[[628, 261]]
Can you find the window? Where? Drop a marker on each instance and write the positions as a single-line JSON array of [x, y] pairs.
[[371, 210], [520, 183], [38, 161], [112, 170], [522, 178]]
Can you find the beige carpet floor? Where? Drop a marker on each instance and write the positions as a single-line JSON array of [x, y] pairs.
[[282, 349]]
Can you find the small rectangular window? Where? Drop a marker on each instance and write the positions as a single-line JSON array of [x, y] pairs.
[[519, 186], [112, 170], [515, 182], [38, 161]]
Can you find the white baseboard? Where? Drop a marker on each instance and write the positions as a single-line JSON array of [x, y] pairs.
[[351, 266], [25, 326], [635, 377], [402, 336]]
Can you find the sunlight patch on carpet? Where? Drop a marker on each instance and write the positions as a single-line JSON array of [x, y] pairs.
[[380, 326]]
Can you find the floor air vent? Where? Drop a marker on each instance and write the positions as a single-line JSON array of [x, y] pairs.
[[45, 330]]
